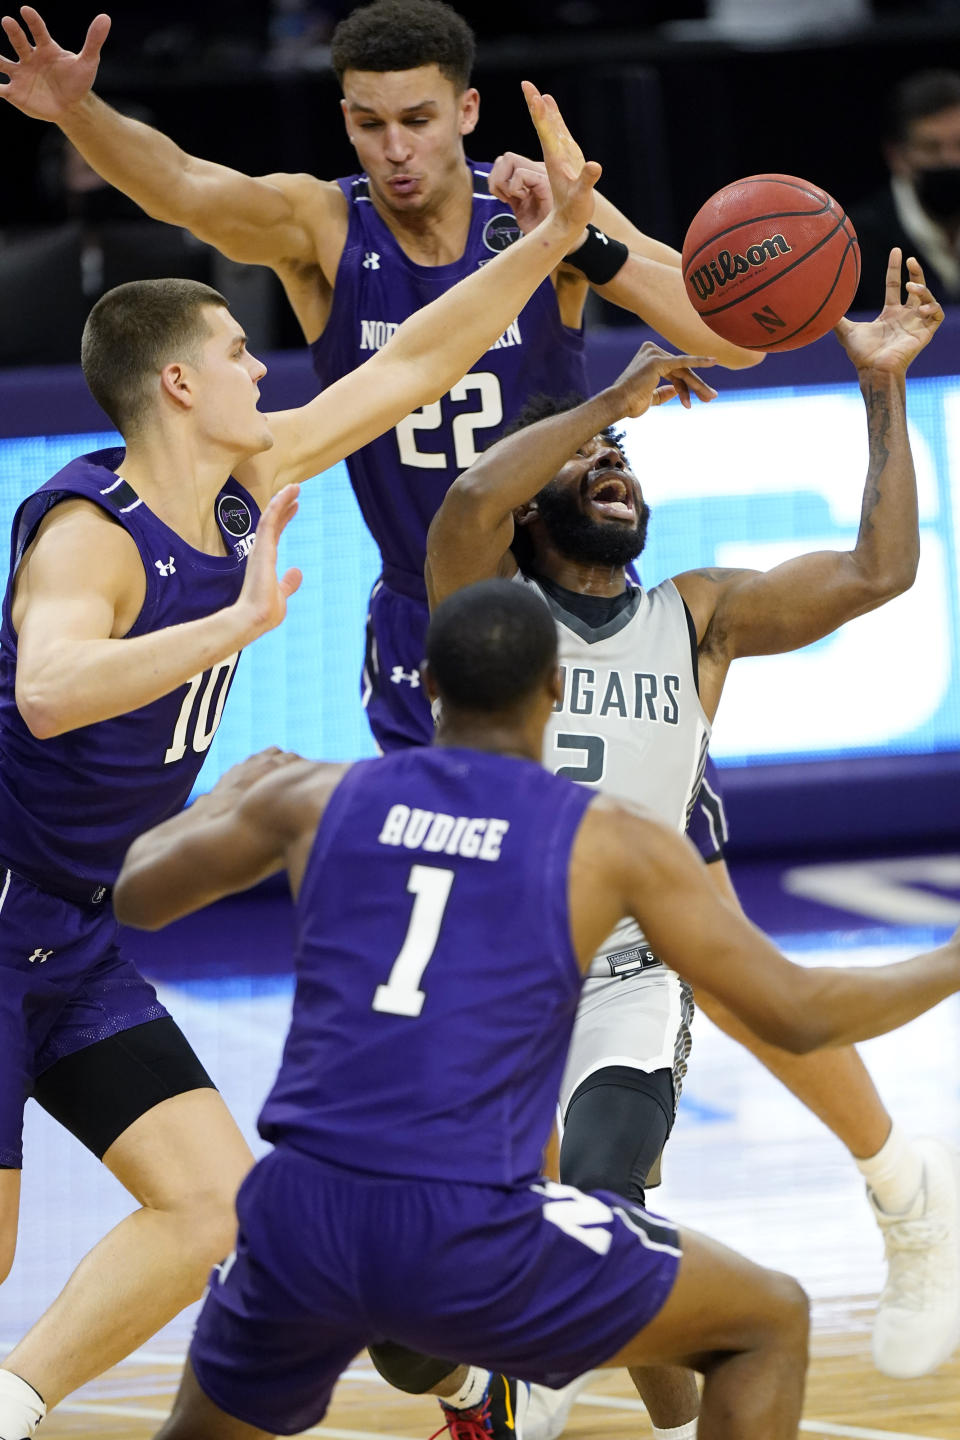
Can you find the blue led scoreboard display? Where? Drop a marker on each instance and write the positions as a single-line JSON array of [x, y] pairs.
[[751, 480]]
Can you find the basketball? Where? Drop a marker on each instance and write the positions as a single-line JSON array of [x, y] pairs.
[[771, 262]]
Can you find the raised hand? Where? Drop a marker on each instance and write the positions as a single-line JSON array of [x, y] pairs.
[[900, 331], [45, 81], [523, 185], [640, 382], [571, 177], [235, 782], [264, 595]]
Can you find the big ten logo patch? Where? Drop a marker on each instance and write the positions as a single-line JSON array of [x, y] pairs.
[[236, 519], [501, 231]]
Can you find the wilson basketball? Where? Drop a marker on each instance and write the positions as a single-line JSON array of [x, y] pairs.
[[771, 262]]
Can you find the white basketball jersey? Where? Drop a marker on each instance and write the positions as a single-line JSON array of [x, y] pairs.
[[630, 722]]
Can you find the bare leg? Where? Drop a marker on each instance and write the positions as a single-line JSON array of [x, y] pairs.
[[451, 1383], [195, 1417], [184, 1161], [834, 1084], [745, 1328], [9, 1213], [669, 1392]]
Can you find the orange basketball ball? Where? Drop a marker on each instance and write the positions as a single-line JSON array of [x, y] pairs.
[[771, 262]]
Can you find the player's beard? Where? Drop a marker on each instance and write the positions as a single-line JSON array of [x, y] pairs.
[[592, 542]]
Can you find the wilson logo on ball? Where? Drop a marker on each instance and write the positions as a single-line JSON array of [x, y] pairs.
[[727, 265], [779, 291]]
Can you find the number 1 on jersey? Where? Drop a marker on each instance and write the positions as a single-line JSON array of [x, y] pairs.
[[402, 994]]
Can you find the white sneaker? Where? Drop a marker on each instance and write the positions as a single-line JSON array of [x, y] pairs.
[[917, 1324], [548, 1409]]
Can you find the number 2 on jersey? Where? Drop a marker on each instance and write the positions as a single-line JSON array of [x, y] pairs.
[[402, 994], [465, 423]]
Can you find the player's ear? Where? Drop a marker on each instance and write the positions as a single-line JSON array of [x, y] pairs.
[[175, 385], [346, 120], [469, 111], [428, 682], [556, 685], [526, 514]]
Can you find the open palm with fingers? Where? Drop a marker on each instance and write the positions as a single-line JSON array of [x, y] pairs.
[[640, 386], [45, 81], [901, 330], [571, 177], [265, 594]]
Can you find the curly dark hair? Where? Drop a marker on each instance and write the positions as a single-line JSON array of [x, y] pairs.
[[402, 35]]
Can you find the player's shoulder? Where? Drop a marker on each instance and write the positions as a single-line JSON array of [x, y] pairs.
[[312, 201], [78, 524]]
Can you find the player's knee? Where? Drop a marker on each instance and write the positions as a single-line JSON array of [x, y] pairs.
[[8, 1237], [408, 1370], [789, 1314], [207, 1222], [8, 1248], [614, 1132]]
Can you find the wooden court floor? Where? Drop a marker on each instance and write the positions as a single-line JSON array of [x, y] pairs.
[[746, 1164], [845, 1398]]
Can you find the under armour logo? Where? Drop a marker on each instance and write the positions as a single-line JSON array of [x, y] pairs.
[[399, 676], [168, 569], [39, 956], [371, 260]]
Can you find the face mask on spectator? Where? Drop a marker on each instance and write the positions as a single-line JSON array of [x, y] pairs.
[[939, 192]]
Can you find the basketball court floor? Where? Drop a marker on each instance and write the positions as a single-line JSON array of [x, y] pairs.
[[746, 1164]]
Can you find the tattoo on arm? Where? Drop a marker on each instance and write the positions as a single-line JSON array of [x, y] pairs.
[[878, 430]]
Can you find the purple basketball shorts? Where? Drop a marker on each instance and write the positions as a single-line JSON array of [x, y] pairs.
[[398, 711], [540, 1281], [63, 986]]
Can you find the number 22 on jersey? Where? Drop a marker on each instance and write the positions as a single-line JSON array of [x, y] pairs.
[[463, 427]]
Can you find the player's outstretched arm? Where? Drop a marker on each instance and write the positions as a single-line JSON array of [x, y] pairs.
[[259, 818], [648, 284], [436, 346], [656, 294], [708, 940], [744, 612], [260, 221], [470, 535], [75, 665]]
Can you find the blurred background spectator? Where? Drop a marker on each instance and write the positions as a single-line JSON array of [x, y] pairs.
[[90, 238], [675, 97], [919, 206], [51, 274]]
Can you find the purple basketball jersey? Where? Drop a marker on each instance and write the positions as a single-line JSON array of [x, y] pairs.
[[71, 805], [436, 979], [401, 478]]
